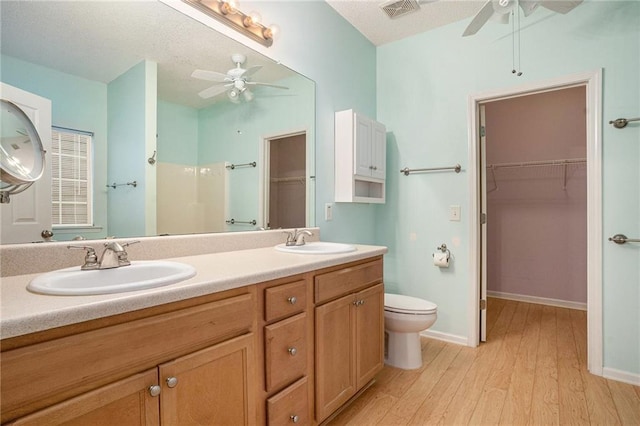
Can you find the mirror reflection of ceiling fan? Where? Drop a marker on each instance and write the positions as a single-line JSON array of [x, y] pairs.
[[235, 82], [501, 9]]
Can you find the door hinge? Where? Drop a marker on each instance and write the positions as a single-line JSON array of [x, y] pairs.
[[482, 131], [483, 218], [483, 304]]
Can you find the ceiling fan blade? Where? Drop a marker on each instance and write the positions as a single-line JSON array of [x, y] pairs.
[[250, 71], [256, 83], [560, 6], [479, 20], [209, 75], [528, 6], [212, 91]]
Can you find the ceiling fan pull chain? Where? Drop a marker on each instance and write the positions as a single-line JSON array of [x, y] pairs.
[[513, 44], [519, 50]]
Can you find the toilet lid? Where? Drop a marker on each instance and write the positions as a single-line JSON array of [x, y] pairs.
[[407, 304]]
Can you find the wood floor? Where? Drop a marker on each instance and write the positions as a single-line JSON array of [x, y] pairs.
[[531, 371]]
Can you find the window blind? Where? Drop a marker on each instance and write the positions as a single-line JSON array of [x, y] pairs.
[[71, 193]]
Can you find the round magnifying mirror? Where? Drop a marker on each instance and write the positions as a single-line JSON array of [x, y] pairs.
[[20, 147]]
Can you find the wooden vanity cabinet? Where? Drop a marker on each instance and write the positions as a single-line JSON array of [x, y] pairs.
[[349, 333], [193, 361], [285, 354]]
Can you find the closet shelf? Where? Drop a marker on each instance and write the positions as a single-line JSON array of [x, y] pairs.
[[526, 164], [563, 162]]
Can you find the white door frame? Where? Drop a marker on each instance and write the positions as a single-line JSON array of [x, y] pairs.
[[593, 84]]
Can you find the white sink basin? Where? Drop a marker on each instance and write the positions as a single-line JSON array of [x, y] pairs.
[[138, 276], [317, 247]]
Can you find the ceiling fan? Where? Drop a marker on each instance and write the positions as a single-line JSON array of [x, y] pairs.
[[235, 82], [501, 9]]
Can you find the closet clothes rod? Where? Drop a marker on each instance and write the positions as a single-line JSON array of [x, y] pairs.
[[407, 170]]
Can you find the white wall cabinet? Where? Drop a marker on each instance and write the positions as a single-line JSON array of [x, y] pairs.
[[360, 158]]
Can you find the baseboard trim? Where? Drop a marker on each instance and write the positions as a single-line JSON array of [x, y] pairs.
[[538, 300], [445, 337], [621, 376]]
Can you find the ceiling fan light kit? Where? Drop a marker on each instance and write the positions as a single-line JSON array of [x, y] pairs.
[[227, 12]]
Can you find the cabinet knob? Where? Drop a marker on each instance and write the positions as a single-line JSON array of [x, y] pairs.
[[374, 168], [154, 390], [292, 351], [292, 300], [294, 418], [172, 382]]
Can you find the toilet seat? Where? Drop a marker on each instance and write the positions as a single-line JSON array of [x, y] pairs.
[[402, 304]]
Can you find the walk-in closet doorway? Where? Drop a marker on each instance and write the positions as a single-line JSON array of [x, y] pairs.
[[535, 231]]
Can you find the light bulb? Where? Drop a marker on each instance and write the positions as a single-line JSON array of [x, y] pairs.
[[233, 94], [248, 95], [252, 19], [228, 7], [271, 32]]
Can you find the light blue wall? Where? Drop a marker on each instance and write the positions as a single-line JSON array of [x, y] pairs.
[[126, 159], [426, 116], [177, 134], [320, 44], [234, 132], [76, 103]]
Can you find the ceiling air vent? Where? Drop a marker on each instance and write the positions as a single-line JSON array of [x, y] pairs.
[[397, 8]]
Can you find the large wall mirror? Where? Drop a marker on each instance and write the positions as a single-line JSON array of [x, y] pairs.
[[147, 136]]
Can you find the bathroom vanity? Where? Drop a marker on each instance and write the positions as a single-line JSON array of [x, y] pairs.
[[256, 337]]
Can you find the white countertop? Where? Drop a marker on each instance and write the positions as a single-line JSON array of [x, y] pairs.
[[23, 312]]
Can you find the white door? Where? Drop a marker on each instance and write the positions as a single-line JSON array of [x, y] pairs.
[[483, 225], [29, 212]]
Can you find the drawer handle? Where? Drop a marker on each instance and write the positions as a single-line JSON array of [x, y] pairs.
[[292, 300], [172, 382], [295, 418], [154, 390], [292, 351]]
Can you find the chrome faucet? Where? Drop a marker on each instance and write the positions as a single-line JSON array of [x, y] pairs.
[[296, 238], [113, 256]]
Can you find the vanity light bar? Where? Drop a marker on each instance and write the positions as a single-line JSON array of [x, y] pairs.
[[226, 11]]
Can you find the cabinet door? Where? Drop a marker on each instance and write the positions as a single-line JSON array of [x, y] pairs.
[[378, 150], [370, 333], [214, 386], [362, 145], [126, 402], [335, 352]]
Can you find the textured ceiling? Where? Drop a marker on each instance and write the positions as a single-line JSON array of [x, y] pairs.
[[99, 40], [368, 17]]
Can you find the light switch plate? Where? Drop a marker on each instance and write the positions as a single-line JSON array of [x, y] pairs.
[[454, 213], [328, 211]]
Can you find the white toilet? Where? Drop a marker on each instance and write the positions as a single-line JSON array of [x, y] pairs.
[[404, 318]]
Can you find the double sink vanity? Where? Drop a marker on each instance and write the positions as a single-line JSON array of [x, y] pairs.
[[270, 335]]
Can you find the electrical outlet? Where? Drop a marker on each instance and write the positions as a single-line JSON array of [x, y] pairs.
[[454, 213], [328, 211]]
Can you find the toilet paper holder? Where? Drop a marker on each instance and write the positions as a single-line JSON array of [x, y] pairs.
[[443, 248]]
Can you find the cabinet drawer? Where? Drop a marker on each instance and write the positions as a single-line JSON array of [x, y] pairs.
[[337, 283], [68, 366], [290, 406], [285, 300], [285, 351]]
